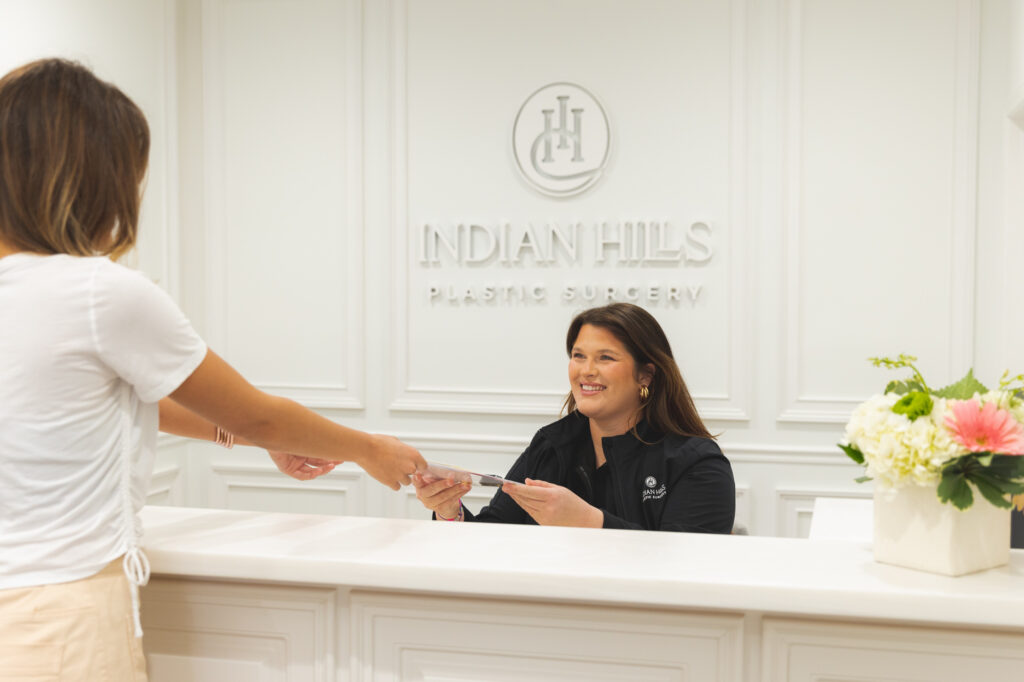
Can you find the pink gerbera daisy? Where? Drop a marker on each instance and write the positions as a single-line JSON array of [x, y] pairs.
[[985, 428]]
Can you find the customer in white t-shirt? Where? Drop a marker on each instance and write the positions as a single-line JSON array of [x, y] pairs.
[[93, 358]]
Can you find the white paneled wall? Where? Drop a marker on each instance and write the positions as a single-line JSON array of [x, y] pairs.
[[281, 148], [132, 44], [858, 167], [871, 204]]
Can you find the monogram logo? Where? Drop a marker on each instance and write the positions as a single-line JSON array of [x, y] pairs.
[[561, 139], [652, 491]]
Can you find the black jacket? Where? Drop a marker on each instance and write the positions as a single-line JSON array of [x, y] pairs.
[[673, 483]]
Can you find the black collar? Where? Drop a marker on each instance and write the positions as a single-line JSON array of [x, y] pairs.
[[567, 431]]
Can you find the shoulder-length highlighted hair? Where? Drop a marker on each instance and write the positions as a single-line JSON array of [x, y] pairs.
[[669, 408], [73, 153]]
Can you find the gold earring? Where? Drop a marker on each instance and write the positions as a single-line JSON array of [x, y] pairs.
[[645, 393]]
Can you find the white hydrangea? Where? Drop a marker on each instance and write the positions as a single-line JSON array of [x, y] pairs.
[[898, 451], [1006, 401]]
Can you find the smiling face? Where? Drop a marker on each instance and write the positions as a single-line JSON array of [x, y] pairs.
[[604, 379]]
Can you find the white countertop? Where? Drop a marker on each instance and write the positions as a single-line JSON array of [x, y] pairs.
[[630, 568]]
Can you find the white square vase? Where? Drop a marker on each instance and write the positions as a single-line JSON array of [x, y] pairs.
[[914, 530]]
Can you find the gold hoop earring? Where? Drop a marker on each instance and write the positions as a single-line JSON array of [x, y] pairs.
[[645, 393]]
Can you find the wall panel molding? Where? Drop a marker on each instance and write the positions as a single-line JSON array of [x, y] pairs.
[[732, 406], [1016, 110], [797, 406], [343, 491], [794, 508], [438, 442], [167, 486], [202, 630], [346, 394], [761, 453], [401, 637], [172, 228], [744, 505], [806, 651]]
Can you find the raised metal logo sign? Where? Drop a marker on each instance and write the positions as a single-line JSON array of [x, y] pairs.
[[561, 139]]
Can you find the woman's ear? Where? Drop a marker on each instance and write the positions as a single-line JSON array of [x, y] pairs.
[[646, 373]]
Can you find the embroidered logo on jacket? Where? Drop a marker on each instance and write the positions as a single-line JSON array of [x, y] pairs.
[[653, 491]]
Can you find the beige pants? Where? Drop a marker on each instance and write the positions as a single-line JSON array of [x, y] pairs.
[[80, 631]]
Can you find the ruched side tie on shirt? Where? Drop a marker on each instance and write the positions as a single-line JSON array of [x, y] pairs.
[[135, 564]]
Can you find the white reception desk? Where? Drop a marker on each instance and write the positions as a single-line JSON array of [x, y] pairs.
[[257, 596]]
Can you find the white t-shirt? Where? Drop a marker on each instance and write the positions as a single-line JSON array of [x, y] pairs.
[[87, 349]]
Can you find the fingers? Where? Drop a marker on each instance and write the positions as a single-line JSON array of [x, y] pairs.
[[529, 506], [527, 492], [522, 497], [434, 487], [441, 493], [417, 463], [316, 465], [310, 471], [409, 462], [301, 468], [443, 503], [446, 497]]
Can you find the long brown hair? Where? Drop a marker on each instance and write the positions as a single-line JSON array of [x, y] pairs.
[[669, 408], [73, 153]]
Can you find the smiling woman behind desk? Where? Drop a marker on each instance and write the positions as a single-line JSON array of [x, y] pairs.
[[632, 452]]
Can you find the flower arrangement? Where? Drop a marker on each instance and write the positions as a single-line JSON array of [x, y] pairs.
[[955, 437]]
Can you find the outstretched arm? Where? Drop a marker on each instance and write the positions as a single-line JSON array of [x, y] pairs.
[[221, 396], [181, 421]]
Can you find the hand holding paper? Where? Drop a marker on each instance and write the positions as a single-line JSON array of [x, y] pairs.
[[436, 471], [440, 487], [554, 505], [443, 496]]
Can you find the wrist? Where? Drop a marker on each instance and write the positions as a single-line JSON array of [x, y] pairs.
[[457, 515], [223, 438], [365, 452]]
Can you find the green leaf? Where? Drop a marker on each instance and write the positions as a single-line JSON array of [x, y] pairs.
[[985, 459], [953, 488], [992, 492], [862, 479], [1005, 467], [903, 387], [853, 453], [1007, 486], [963, 389]]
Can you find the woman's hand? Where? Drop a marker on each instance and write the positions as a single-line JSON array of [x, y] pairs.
[[554, 505], [443, 496], [390, 461], [301, 468]]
